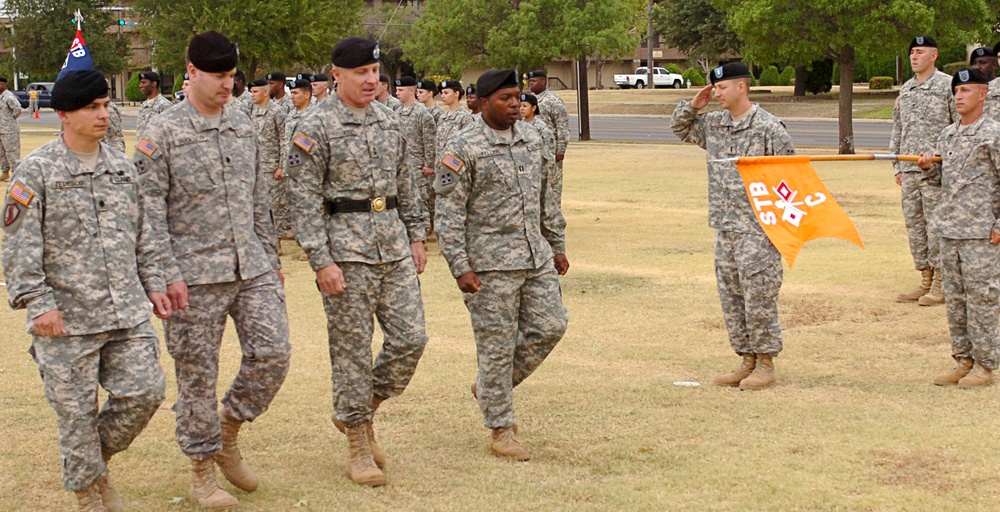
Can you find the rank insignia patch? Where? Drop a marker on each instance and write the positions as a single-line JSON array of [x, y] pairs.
[[452, 162], [145, 146], [303, 142], [21, 194]]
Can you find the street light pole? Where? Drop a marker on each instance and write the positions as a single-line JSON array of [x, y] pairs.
[[649, 45]]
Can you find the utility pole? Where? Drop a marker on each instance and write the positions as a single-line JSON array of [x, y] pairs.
[[649, 45], [582, 99]]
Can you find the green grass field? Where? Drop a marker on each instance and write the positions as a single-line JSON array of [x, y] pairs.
[[853, 424]]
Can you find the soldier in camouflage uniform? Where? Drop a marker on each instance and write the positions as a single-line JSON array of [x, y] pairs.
[[529, 110], [985, 59], [358, 218], [209, 210], [420, 131], [269, 125], [78, 255], [924, 107], [115, 138], [969, 231], [426, 91], [472, 100], [553, 113], [10, 132], [320, 87], [156, 103], [385, 97], [454, 120], [276, 81], [748, 268], [504, 238], [242, 99]]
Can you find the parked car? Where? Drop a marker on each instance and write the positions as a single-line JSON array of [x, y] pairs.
[[639, 79], [44, 94]]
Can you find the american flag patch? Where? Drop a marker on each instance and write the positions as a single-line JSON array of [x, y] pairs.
[[21, 194], [303, 142], [452, 162], [145, 146]]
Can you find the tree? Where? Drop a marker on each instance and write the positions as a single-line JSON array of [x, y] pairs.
[[132, 91], [696, 28], [801, 32], [42, 30], [452, 35], [597, 31], [277, 35], [390, 26]]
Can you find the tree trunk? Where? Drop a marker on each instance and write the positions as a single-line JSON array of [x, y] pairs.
[[598, 67], [846, 62], [801, 72], [583, 99]]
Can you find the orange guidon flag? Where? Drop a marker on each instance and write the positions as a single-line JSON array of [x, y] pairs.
[[792, 204]]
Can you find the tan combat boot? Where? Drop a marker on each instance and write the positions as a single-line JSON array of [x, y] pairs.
[[229, 459], [980, 376], [504, 444], [926, 276], [109, 495], [361, 466], [89, 500], [763, 374], [733, 378], [951, 378], [205, 491], [934, 297], [377, 452]]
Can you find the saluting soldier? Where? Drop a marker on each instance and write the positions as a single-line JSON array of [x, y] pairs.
[[969, 231], [503, 236], [155, 103], [554, 114], [924, 107], [426, 91], [748, 268], [358, 218], [10, 131], [269, 125], [78, 255], [209, 209]]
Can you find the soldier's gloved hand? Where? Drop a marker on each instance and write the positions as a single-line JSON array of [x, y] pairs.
[[469, 283], [178, 294], [561, 263], [331, 280], [49, 324], [419, 256], [161, 305]]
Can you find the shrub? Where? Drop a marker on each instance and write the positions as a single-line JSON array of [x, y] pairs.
[[770, 76], [674, 68], [819, 77], [696, 77], [952, 67], [787, 76], [880, 82], [132, 92]]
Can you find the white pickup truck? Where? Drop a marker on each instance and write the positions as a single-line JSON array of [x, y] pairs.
[[639, 80]]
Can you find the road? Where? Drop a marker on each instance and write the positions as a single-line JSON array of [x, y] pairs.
[[804, 132]]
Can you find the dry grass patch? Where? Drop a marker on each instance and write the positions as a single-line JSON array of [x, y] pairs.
[[853, 424]]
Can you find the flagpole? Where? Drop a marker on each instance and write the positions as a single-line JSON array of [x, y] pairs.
[[841, 158], [79, 19]]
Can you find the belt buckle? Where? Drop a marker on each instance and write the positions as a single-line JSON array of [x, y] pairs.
[[378, 204]]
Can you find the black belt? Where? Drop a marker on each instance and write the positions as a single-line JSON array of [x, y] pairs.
[[360, 205]]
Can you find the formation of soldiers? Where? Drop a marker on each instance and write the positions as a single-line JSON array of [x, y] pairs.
[[193, 223]]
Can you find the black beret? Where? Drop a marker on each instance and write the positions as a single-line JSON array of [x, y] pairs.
[[304, 76], [152, 76], [925, 41], [3, 79], [730, 71], [240, 75], [470, 90], [276, 76], [450, 84], [384, 78], [213, 52], [302, 84], [968, 76], [495, 79], [406, 81], [537, 73], [354, 52], [260, 82], [530, 98], [982, 51], [427, 85], [319, 77], [78, 89]]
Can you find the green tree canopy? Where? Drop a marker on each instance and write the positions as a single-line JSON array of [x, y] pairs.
[[290, 35], [42, 31], [695, 27]]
